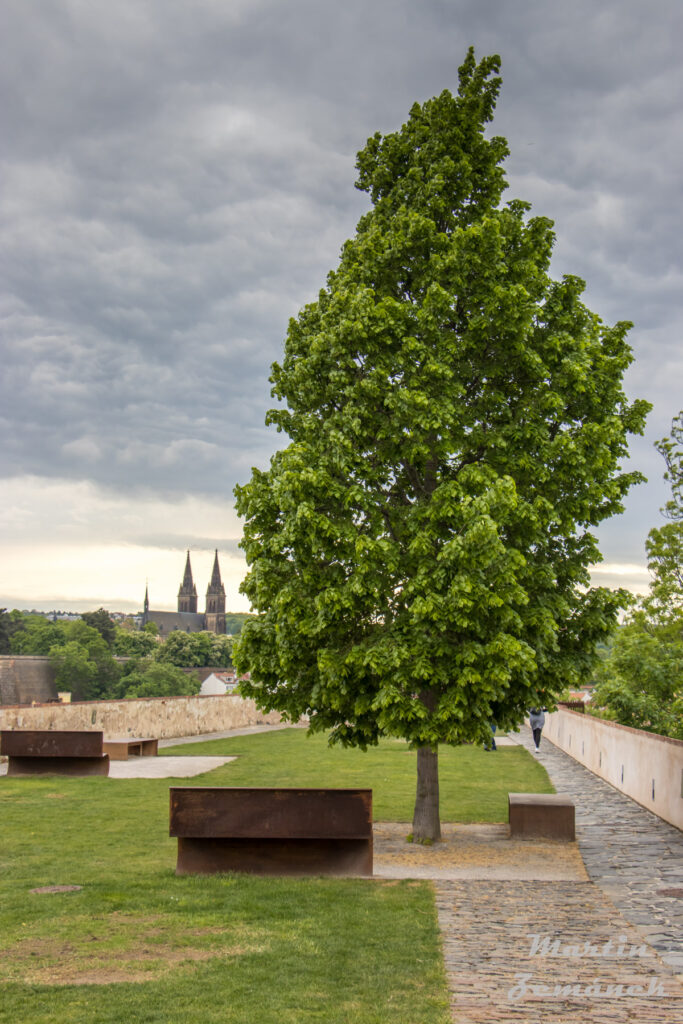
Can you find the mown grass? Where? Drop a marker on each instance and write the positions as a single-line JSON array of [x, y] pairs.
[[473, 784], [138, 944]]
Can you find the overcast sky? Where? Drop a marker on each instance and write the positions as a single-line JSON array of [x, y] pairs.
[[177, 180]]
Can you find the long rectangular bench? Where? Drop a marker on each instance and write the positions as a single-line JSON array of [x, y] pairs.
[[120, 748], [272, 831], [53, 752], [541, 816]]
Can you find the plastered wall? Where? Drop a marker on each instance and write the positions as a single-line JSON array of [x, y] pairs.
[[644, 766]]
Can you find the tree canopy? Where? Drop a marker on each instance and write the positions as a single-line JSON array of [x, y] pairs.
[[36, 634], [664, 544], [640, 681], [146, 678], [419, 551], [196, 649], [10, 623], [103, 623], [83, 661]]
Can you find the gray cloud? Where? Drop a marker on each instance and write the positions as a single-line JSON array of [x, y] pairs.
[[178, 542], [178, 179]]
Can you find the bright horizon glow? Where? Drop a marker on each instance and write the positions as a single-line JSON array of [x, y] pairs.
[[99, 549]]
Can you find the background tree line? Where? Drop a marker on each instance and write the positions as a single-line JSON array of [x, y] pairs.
[[84, 654], [640, 678]]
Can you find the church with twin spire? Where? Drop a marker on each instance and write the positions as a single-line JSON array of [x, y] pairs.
[[187, 618]]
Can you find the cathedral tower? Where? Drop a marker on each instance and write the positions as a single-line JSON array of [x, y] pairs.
[[215, 601], [187, 595]]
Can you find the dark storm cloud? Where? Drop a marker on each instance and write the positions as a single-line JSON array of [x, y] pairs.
[[178, 179]]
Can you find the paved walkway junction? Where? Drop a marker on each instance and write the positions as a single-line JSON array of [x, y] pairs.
[[605, 949]]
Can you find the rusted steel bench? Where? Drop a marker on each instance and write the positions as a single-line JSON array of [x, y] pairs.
[[541, 816], [272, 831], [53, 752], [120, 748]]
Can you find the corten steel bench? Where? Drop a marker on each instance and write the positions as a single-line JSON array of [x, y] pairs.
[[120, 748], [541, 816], [272, 831], [53, 752]]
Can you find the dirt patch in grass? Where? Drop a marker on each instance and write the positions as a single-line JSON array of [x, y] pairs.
[[144, 965], [474, 851], [121, 948], [48, 890]]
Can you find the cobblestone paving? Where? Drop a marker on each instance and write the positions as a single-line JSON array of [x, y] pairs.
[[596, 968], [634, 856], [599, 951]]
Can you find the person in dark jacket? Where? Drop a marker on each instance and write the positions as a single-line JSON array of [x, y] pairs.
[[536, 721], [491, 745]]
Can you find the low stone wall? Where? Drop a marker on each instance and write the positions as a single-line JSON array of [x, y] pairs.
[[159, 717], [25, 678], [644, 766]]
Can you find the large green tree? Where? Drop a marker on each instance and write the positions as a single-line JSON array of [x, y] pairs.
[[419, 551]]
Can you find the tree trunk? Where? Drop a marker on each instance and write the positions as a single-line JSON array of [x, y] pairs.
[[426, 823]]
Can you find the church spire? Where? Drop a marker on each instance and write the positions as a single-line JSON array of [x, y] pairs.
[[187, 578], [187, 595], [216, 574], [215, 600]]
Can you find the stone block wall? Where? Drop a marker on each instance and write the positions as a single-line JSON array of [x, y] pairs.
[[25, 678], [159, 717]]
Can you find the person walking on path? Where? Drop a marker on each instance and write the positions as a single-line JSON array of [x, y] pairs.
[[536, 721], [491, 745]]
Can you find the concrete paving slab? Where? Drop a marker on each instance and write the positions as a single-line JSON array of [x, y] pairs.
[[249, 730], [506, 741], [159, 767], [165, 767]]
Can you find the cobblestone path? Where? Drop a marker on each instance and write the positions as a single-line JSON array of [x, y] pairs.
[[596, 968], [634, 856], [552, 952]]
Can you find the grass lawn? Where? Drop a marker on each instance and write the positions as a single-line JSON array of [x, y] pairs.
[[138, 944], [473, 784]]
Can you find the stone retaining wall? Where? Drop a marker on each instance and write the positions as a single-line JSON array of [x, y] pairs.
[[160, 717], [646, 767], [25, 678]]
